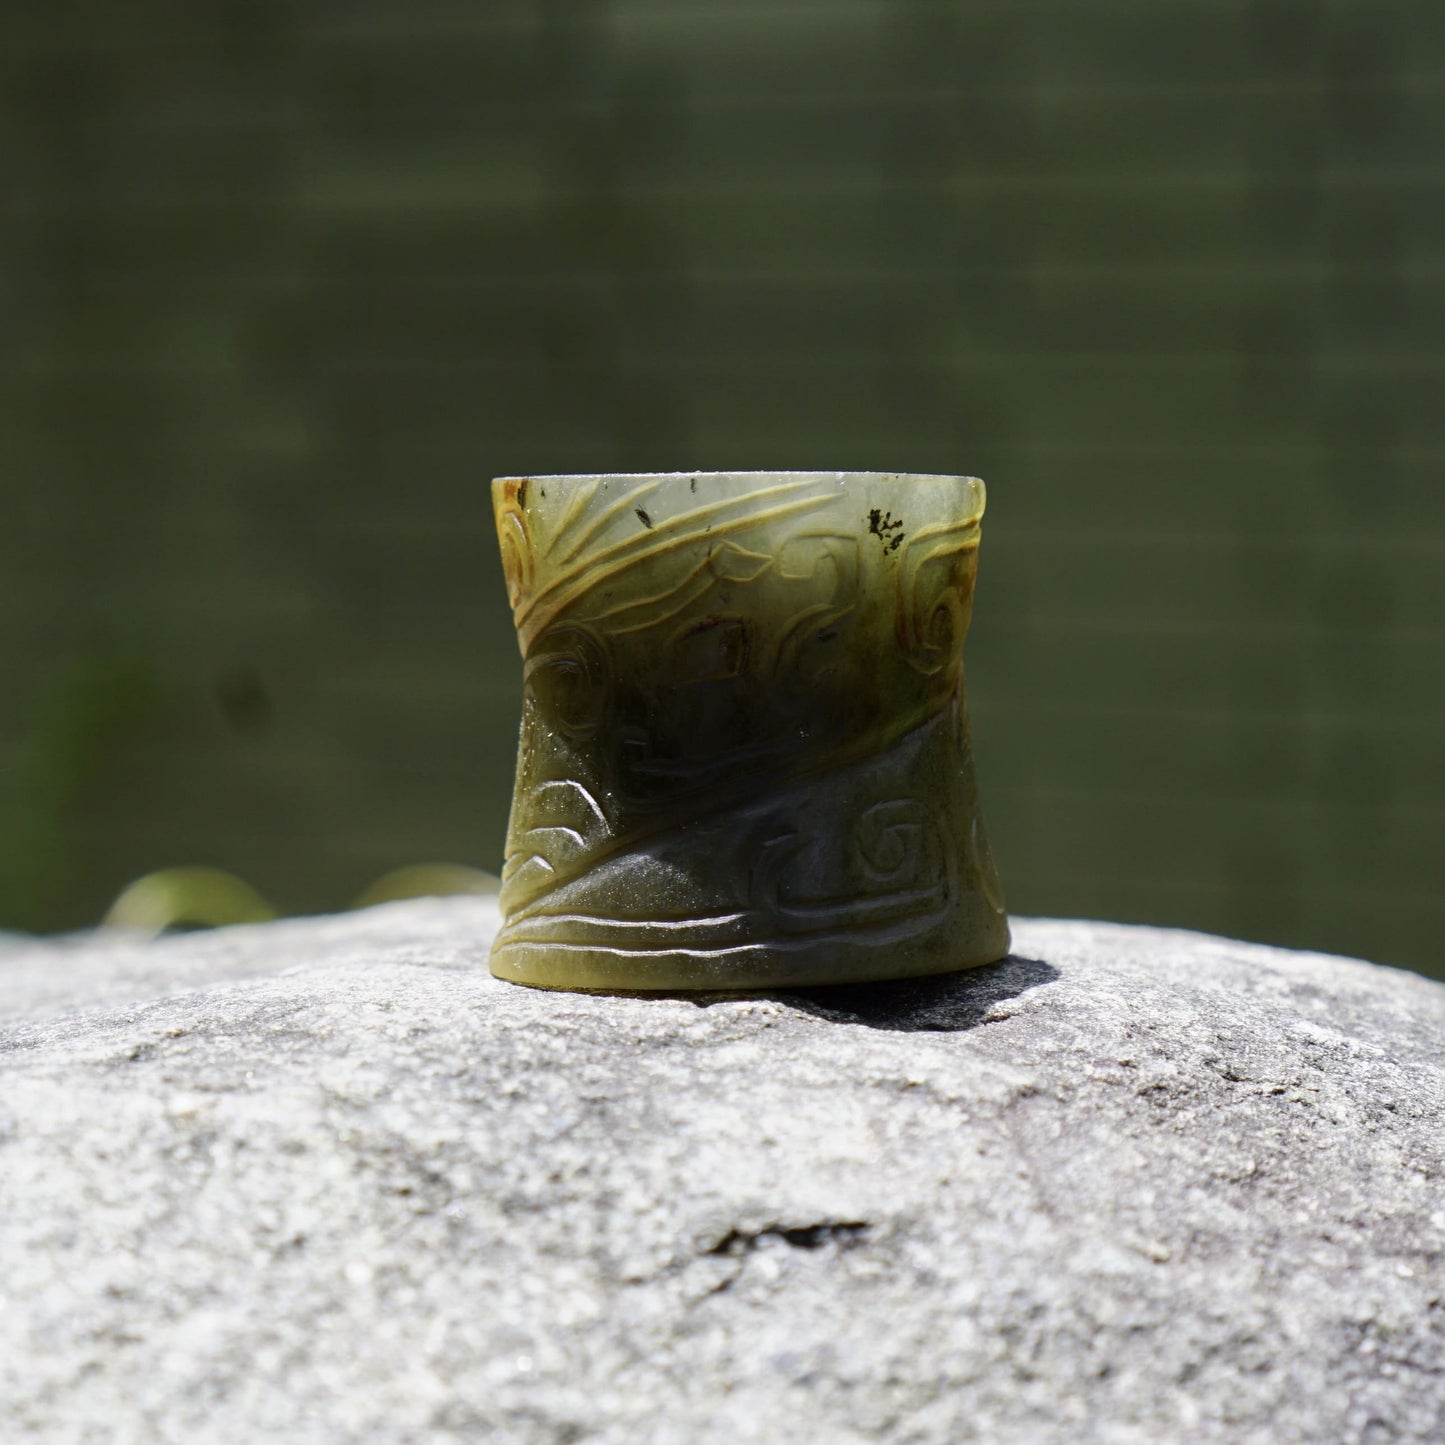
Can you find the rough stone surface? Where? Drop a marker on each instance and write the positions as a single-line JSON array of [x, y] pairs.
[[327, 1180]]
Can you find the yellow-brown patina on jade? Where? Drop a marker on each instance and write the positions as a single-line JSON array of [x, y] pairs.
[[744, 758]]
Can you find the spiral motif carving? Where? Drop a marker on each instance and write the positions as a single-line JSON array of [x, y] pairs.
[[567, 677], [896, 842], [936, 570], [518, 560]]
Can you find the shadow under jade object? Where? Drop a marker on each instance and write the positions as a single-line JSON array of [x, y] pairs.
[[744, 758]]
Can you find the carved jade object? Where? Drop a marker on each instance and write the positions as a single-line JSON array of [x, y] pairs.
[[744, 758]]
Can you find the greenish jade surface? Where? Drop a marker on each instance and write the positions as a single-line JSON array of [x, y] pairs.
[[744, 757]]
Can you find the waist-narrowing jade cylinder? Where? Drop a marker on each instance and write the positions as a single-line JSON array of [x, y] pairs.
[[744, 757]]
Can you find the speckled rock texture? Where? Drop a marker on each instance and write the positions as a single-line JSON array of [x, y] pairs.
[[328, 1180]]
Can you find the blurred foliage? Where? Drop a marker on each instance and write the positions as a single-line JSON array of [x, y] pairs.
[[428, 880], [79, 717], [193, 897], [199, 897]]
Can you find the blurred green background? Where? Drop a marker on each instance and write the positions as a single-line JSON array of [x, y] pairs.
[[282, 285]]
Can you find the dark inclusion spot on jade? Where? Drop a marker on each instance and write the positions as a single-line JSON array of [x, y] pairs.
[[744, 758], [881, 524]]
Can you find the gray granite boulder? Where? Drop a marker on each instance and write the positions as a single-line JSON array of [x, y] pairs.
[[326, 1180]]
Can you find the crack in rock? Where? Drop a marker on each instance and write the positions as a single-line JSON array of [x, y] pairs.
[[804, 1236]]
